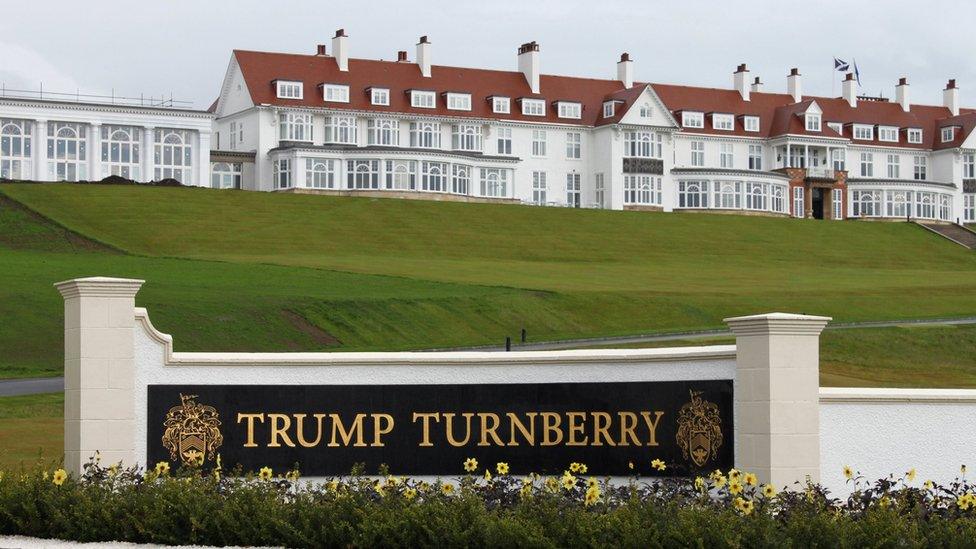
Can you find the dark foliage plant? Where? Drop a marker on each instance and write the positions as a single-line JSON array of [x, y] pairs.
[[726, 509]]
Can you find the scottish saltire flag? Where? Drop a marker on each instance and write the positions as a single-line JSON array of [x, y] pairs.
[[841, 65], [857, 73]]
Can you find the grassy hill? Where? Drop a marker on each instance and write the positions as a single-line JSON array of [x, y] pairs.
[[257, 271]]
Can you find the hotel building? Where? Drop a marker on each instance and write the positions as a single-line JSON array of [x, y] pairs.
[[327, 123]]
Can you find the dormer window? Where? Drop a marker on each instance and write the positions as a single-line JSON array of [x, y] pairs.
[[423, 99], [289, 89], [568, 109], [459, 101], [914, 135], [501, 105], [888, 133], [723, 122], [337, 93], [863, 132], [836, 126], [379, 96], [693, 119], [813, 122], [751, 123], [533, 107], [948, 134], [608, 109]]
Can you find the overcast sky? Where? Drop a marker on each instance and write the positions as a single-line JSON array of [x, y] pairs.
[[183, 46]]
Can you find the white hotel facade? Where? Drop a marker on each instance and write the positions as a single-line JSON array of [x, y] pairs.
[[330, 124]]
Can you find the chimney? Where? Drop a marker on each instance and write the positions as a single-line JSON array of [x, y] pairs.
[[757, 85], [625, 70], [528, 64], [901, 94], [950, 97], [320, 50], [850, 90], [340, 49], [402, 56], [739, 81], [793, 85], [423, 56]]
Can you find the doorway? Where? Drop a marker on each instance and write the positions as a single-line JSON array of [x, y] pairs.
[[818, 203]]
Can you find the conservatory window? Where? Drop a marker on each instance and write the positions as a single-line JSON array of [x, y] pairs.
[[363, 174], [173, 155], [320, 173], [226, 175], [728, 195], [67, 151], [120, 151], [433, 176], [693, 194], [494, 182], [15, 149], [401, 175], [460, 179]]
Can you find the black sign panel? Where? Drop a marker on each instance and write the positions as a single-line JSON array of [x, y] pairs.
[[653, 166], [432, 429]]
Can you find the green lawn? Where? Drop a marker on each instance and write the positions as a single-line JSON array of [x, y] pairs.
[[260, 271], [31, 431]]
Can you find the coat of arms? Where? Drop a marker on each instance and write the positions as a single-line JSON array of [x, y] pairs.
[[699, 430], [192, 431]]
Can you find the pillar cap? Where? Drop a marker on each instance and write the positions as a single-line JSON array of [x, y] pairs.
[[99, 286], [777, 324]]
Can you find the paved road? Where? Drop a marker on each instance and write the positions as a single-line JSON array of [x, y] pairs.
[[15, 387]]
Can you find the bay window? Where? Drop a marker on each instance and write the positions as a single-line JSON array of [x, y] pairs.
[[433, 176], [320, 173], [728, 195], [756, 194], [382, 131], [282, 173], [642, 144], [226, 175], [693, 194], [969, 165], [362, 174], [466, 137], [342, 129], [866, 203], [460, 179], [401, 175], [642, 190], [494, 182]]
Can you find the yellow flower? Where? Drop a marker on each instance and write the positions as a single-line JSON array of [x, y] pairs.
[[502, 468], [528, 480], [162, 468], [582, 468], [699, 483], [750, 479], [592, 496], [447, 489], [966, 501], [379, 488], [719, 481], [769, 490], [630, 464], [929, 484], [487, 474], [526, 490], [292, 476], [744, 506], [552, 484], [410, 493], [216, 474], [393, 481], [734, 474], [332, 486], [265, 473], [470, 465], [910, 475], [591, 482], [112, 471], [59, 477], [44, 475], [734, 487], [715, 474], [658, 464], [568, 481], [848, 472], [574, 467]]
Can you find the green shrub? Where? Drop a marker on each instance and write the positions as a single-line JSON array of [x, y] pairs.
[[727, 509]]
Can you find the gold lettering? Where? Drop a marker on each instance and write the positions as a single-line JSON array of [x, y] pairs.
[[449, 428], [576, 425], [601, 428], [528, 434], [426, 417], [250, 427], [487, 431], [346, 435], [379, 431], [300, 430], [628, 423], [550, 424], [277, 431], [652, 426]]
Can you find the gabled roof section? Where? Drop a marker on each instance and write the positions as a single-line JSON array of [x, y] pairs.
[[965, 122], [260, 68], [791, 120]]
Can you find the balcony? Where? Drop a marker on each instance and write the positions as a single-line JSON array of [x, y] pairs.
[[820, 172]]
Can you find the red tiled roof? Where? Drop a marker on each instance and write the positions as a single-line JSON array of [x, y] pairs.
[[260, 69]]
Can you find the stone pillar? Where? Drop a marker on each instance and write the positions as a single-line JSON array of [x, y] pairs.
[[202, 155], [95, 151], [99, 370], [148, 151], [39, 144], [777, 396]]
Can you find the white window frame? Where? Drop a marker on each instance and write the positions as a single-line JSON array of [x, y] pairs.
[[693, 194], [837, 204], [540, 188], [641, 144], [341, 129], [226, 175], [295, 126], [756, 157], [574, 145], [969, 208], [173, 155], [16, 149], [321, 173], [948, 134], [723, 121], [494, 182], [920, 167], [698, 154], [888, 134], [379, 96], [67, 151], [574, 196], [423, 99], [569, 109], [282, 173], [401, 175], [458, 101], [837, 127], [609, 108], [533, 107], [599, 190], [335, 93], [750, 123], [915, 135], [363, 174], [435, 177], [863, 132], [383, 131], [893, 168], [461, 179], [503, 141], [813, 122], [727, 195], [726, 155], [969, 165], [693, 119], [425, 135], [501, 105], [539, 143], [799, 206], [466, 137], [289, 89], [121, 148], [867, 164]]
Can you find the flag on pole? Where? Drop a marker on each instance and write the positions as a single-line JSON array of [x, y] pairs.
[[857, 73], [841, 65]]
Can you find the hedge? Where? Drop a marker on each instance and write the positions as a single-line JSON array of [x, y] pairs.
[[725, 509]]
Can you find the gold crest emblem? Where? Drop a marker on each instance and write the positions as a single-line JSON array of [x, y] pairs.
[[699, 430], [192, 431]]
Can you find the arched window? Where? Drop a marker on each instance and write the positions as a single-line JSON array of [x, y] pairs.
[[466, 137], [67, 151], [460, 179], [15, 149], [778, 200], [173, 155], [945, 207], [320, 173], [383, 131], [425, 135], [433, 176], [494, 182], [121, 152], [728, 195], [363, 174], [925, 206], [225, 175], [897, 203], [755, 196]]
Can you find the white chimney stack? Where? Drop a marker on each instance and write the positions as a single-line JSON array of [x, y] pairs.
[[757, 85], [528, 64], [423, 56], [625, 70], [950, 97], [739, 81], [793, 85], [850, 90], [340, 49], [901, 94]]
